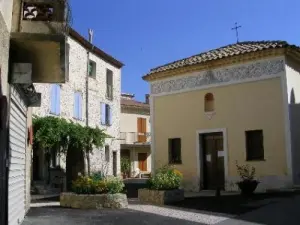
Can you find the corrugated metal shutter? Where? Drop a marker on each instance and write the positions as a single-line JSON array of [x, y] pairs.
[[16, 177]]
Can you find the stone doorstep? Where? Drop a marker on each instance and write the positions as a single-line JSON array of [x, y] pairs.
[[114, 201]]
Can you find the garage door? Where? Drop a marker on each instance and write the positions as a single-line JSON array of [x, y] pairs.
[[16, 177]]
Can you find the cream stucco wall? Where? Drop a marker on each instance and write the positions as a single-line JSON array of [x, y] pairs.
[[239, 108], [293, 94], [129, 122], [97, 94], [247, 96]]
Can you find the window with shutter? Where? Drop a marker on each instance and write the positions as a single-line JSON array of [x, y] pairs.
[[77, 105], [55, 99], [103, 114], [175, 151], [254, 145]]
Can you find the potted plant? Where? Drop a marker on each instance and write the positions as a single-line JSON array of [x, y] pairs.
[[125, 167], [163, 187], [248, 183]]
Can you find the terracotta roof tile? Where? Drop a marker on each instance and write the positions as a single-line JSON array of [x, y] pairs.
[[134, 103], [223, 52]]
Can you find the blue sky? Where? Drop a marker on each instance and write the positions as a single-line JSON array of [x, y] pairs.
[[147, 33]]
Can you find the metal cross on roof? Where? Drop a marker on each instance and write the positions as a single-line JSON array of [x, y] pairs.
[[236, 31]]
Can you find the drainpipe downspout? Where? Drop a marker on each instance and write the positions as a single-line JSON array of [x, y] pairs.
[[91, 32]]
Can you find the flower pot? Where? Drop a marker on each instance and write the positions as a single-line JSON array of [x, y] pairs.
[[247, 187]]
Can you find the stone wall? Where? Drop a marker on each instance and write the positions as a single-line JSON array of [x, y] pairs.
[[97, 95], [4, 55], [160, 197], [114, 201]]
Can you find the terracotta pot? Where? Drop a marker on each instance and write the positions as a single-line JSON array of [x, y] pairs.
[[247, 187]]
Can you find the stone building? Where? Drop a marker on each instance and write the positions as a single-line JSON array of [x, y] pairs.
[[69, 101], [135, 134], [28, 32], [235, 104]]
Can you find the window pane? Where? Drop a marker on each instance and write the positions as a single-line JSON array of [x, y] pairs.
[[254, 145]]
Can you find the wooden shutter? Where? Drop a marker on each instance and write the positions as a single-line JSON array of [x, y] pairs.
[[109, 116], [76, 105], [79, 105], [57, 100], [103, 114], [53, 99], [141, 129]]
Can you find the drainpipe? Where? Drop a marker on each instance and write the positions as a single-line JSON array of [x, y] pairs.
[[91, 32]]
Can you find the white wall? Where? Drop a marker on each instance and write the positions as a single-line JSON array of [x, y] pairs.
[[293, 91], [97, 91], [6, 7], [4, 49], [129, 122]]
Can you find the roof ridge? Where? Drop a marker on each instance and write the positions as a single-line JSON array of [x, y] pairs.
[[217, 52]]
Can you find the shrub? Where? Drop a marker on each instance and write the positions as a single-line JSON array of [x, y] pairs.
[[114, 185], [165, 178], [125, 165], [97, 176], [246, 172], [97, 185]]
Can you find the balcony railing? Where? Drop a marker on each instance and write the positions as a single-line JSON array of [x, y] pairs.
[[135, 138]]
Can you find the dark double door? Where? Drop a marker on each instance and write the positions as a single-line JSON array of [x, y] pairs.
[[212, 160]]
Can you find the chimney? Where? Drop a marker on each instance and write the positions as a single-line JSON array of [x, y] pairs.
[[147, 98]]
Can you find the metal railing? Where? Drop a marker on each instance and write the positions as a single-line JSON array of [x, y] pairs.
[[135, 138]]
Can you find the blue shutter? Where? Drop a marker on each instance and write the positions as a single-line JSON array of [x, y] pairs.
[[57, 101], [53, 99], [79, 106], [109, 116], [103, 113], [75, 106]]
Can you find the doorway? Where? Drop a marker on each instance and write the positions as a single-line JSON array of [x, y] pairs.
[[212, 161], [142, 158], [115, 164]]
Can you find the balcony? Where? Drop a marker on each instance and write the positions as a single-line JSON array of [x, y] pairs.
[[134, 138], [38, 41]]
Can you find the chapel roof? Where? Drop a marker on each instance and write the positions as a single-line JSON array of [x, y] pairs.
[[239, 48]]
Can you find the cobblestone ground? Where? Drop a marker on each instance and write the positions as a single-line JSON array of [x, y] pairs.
[[51, 213], [283, 212]]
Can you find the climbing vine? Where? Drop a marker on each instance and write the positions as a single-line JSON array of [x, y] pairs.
[[65, 136]]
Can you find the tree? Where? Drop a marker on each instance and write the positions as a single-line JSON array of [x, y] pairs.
[[66, 136]]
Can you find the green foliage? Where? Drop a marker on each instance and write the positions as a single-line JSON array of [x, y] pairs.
[[51, 132], [114, 185], [97, 176], [88, 185], [125, 165], [246, 172], [165, 178]]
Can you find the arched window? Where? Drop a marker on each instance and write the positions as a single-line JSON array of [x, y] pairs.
[[209, 102]]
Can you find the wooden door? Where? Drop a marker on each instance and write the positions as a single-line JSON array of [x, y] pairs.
[[142, 158], [115, 163], [213, 161], [141, 129]]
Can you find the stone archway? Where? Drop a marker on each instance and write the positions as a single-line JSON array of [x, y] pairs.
[[74, 165]]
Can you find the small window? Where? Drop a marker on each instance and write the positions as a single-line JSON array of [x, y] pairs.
[[92, 69], [109, 84], [106, 114], [78, 106], [107, 153], [209, 102], [55, 99], [175, 151], [254, 145]]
